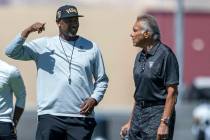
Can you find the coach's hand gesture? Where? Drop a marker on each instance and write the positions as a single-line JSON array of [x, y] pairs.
[[88, 106], [39, 27]]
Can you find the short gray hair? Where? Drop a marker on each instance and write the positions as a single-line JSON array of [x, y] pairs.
[[151, 25]]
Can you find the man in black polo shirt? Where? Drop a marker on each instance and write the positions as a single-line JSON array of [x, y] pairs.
[[156, 77]]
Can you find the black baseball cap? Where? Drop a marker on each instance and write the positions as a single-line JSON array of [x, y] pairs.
[[67, 11]]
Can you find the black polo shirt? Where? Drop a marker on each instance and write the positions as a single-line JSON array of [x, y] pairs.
[[153, 72]]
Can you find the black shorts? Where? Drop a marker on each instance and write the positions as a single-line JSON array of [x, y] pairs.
[[7, 131], [64, 128]]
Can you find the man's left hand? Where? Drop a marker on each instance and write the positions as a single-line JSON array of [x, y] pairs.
[[88, 106], [162, 133]]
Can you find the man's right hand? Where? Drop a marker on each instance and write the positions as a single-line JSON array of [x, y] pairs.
[[39, 27], [124, 130]]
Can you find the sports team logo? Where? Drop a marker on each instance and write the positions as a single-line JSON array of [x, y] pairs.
[[151, 64]]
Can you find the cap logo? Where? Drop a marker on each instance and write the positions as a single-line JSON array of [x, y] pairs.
[[59, 14], [71, 10]]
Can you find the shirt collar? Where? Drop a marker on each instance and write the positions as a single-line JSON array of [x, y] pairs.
[[154, 49]]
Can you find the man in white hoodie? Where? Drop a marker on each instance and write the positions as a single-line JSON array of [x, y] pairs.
[[71, 78]]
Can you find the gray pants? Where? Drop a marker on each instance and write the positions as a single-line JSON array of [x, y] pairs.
[[146, 121]]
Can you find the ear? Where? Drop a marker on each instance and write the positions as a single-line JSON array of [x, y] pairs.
[[146, 34], [58, 23]]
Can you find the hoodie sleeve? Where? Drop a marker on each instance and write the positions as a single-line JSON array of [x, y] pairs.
[[20, 50], [18, 87], [101, 79]]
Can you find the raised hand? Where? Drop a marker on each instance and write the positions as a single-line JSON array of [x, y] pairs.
[[39, 27]]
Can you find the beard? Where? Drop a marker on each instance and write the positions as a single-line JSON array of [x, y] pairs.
[[70, 33]]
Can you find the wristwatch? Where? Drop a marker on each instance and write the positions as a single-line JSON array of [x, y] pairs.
[[165, 120]]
